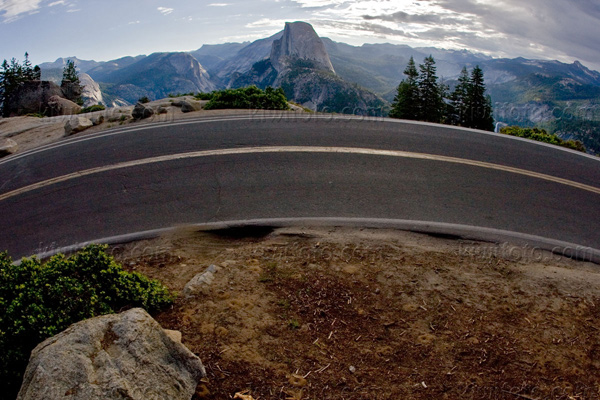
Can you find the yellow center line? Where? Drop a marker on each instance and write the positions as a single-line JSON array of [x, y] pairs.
[[296, 149]]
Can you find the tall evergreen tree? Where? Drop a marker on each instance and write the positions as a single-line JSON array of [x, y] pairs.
[[28, 71], [12, 76], [71, 85], [479, 113], [459, 100], [431, 93], [407, 101]]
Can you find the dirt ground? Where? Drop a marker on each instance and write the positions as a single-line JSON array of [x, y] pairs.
[[340, 313]]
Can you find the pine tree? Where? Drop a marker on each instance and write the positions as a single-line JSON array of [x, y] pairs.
[[479, 112], [431, 93], [71, 85], [28, 72], [407, 101], [459, 100], [12, 76]]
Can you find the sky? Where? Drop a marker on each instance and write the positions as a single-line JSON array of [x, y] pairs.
[[565, 30]]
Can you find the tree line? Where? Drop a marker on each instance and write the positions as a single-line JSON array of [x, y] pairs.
[[14, 75], [421, 97]]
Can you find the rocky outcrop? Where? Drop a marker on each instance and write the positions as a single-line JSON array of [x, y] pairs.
[[299, 41], [8, 147], [123, 356], [76, 125], [60, 106], [33, 97], [91, 93], [142, 111]]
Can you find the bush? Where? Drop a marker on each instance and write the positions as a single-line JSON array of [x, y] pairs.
[[38, 301], [97, 107], [204, 96], [541, 135], [144, 100], [248, 98]]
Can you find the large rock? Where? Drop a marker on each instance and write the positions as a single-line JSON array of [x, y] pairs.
[[32, 97], [91, 94], [190, 106], [77, 124], [61, 106], [122, 356], [8, 147], [142, 111]]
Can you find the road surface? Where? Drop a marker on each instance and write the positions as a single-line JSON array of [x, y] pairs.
[[147, 177]]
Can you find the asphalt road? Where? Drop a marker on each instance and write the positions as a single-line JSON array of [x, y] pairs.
[[240, 168]]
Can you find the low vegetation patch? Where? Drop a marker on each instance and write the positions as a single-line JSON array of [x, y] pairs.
[[97, 107], [541, 135], [38, 301], [248, 98]]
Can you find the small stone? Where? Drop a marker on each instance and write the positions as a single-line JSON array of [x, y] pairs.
[[352, 369], [8, 147], [97, 120], [200, 282]]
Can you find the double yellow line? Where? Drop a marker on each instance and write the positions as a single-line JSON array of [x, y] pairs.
[[295, 149]]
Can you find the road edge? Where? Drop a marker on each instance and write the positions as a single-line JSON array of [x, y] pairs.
[[527, 242]]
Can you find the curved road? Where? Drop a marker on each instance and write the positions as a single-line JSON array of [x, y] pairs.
[[266, 166]]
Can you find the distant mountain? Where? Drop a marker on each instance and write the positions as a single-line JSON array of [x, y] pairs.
[[244, 59], [299, 63], [154, 76], [212, 55], [379, 67], [103, 70], [299, 41], [60, 63]]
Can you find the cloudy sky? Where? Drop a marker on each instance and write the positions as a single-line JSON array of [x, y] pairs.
[[566, 30]]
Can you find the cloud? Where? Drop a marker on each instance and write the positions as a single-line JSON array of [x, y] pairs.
[[403, 17], [165, 10], [219, 5], [13, 9], [555, 29]]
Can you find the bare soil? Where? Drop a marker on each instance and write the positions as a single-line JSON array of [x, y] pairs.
[[316, 313]]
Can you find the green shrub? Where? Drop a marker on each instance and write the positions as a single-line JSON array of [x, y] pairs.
[[541, 135], [174, 96], [204, 96], [35, 115], [97, 107], [39, 300], [248, 98], [144, 100]]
